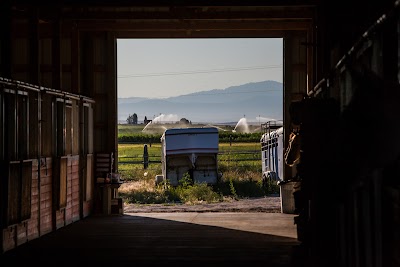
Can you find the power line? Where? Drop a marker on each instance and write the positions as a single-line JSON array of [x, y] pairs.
[[199, 71]]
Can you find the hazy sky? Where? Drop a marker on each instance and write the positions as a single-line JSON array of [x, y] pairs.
[[160, 68]]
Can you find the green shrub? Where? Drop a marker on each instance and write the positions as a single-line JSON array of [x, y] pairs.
[[232, 189], [198, 193], [144, 197]]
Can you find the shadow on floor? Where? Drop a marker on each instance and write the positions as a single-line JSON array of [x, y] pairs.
[[139, 240]]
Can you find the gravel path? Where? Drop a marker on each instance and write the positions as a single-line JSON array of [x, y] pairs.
[[271, 204]]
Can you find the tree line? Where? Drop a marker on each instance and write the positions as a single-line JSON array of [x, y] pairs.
[[224, 137], [133, 119]]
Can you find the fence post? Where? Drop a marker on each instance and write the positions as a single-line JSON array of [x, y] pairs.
[[145, 157]]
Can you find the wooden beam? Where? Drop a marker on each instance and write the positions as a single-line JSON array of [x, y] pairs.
[[111, 80], [5, 39], [202, 34], [189, 13], [163, 3], [195, 26], [170, 29], [34, 47], [75, 62], [56, 56]]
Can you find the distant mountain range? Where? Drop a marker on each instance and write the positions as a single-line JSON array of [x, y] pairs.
[[256, 101]]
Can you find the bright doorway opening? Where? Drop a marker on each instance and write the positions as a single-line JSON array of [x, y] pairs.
[[233, 84]]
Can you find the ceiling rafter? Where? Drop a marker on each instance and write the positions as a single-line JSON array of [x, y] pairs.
[[197, 26]]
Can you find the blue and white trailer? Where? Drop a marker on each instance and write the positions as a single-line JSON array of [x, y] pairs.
[[272, 153], [190, 150]]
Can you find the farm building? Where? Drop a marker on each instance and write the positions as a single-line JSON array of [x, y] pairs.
[[58, 111]]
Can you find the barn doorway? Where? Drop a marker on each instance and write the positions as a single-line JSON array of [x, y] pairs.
[[233, 84]]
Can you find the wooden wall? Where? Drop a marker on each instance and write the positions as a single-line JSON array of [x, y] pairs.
[[46, 180]]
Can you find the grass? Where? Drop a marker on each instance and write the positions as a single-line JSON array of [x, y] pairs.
[[240, 164]]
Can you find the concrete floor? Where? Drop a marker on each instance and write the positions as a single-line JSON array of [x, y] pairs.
[[158, 239]]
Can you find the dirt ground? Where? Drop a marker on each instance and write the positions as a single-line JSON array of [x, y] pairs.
[[271, 204]]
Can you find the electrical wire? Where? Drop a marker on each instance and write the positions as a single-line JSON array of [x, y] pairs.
[[199, 71]]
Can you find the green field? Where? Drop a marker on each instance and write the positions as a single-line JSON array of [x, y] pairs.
[[239, 162], [139, 134], [236, 157]]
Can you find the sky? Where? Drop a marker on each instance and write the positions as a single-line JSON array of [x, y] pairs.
[[161, 68]]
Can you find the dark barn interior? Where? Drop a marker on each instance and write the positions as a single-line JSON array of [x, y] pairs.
[[58, 111]]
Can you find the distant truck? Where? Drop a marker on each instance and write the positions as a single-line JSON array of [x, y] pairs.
[[189, 150]]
